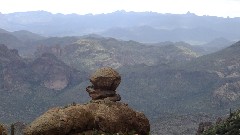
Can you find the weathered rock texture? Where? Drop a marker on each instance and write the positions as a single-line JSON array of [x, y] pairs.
[[103, 116], [105, 82], [53, 73], [105, 78]]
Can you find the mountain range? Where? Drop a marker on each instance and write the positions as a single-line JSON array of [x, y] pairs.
[[138, 26], [160, 79]]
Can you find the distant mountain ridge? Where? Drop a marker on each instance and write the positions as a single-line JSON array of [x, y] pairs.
[[19, 40], [91, 53], [139, 26]]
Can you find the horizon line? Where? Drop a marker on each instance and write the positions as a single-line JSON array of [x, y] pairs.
[[116, 11]]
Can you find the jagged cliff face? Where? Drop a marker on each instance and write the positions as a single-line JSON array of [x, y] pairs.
[[46, 70], [8, 55], [15, 75], [12, 65], [29, 86], [52, 73]]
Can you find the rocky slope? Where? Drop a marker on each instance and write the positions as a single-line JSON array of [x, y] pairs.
[[158, 79], [91, 53], [20, 40], [227, 126], [26, 86], [224, 64], [208, 84]]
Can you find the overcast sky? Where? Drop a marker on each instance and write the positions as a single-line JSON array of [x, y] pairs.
[[223, 8]]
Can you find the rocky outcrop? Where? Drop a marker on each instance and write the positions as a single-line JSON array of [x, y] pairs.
[[46, 70], [15, 75], [105, 82], [8, 55], [13, 68], [53, 73], [102, 116]]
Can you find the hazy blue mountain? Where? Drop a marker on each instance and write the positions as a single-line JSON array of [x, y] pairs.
[[139, 26], [151, 34], [21, 40], [3, 31], [11, 40], [27, 36], [216, 45], [199, 50]]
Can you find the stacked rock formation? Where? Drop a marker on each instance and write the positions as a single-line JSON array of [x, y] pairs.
[[105, 82], [103, 115]]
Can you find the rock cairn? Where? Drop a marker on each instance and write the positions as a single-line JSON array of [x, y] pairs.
[[101, 116], [104, 84]]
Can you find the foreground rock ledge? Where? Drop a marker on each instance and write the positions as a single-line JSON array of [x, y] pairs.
[[102, 116]]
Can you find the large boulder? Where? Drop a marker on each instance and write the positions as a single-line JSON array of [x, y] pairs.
[[102, 116], [104, 84], [105, 78]]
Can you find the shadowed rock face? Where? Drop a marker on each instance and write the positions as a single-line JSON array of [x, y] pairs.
[[53, 73], [103, 116], [8, 55], [105, 82]]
